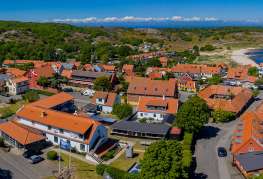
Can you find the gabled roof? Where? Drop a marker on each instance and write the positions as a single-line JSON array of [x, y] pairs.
[[241, 97], [146, 86], [251, 161], [170, 104], [43, 71], [15, 72], [66, 73], [53, 101], [240, 73], [109, 97], [19, 79], [21, 133]]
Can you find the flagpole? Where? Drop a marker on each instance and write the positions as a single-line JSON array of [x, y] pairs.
[[59, 167]]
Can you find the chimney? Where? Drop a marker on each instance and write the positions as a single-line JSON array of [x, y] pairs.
[[163, 97], [43, 114]]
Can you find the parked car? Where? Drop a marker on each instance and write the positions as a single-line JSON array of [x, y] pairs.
[[221, 152], [29, 153], [5, 174], [88, 92], [67, 89], [36, 159]]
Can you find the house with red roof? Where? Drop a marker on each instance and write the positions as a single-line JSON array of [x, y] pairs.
[[186, 83], [128, 69], [17, 85], [240, 75], [139, 87], [156, 109], [227, 98], [105, 101], [63, 129], [247, 143]]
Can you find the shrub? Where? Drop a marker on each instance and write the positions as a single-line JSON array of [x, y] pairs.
[[222, 116], [100, 169], [109, 155], [2, 142], [122, 110], [52, 155], [31, 96], [187, 154], [7, 113]]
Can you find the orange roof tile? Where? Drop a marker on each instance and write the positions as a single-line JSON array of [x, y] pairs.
[[170, 104], [240, 73], [241, 96], [109, 97], [15, 72], [109, 67], [20, 79], [44, 71], [21, 133], [53, 101], [88, 67], [66, 73], [146, 86], [192, 68]]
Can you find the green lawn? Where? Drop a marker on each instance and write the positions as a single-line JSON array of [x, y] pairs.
[[124, 163], [11, 109], [82, 170]]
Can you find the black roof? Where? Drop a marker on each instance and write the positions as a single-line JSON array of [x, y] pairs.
[[251, 161], [133, 126], [89, 74]]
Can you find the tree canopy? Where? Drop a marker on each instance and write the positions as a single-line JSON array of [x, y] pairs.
[[31, 96], [122, 110], [102, 84], [253, 71], [162, 159], [220, 115], [192, 115], [215, 80]]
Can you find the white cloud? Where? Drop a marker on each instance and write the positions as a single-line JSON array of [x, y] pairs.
[[137, 19]]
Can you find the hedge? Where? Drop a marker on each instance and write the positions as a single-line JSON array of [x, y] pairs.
[[187, 154], [52, 155], [2, 142]]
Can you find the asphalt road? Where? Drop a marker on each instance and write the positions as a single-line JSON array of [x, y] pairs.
[[208, 164], [21, 168]]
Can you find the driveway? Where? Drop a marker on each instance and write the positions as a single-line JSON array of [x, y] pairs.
[[21, 168], [208, 164]]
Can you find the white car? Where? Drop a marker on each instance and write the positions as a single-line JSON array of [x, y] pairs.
[[88, 92]]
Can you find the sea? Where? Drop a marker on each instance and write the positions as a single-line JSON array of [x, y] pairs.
[[256, 55]]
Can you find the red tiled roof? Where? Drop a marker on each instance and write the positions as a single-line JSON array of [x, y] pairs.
[[148, 87], [192, 68], [88, 67], [108, 67], [170, 104], [21, 133], [66, 73], [20, 79], [43, 71], [109, 97], [241, 97], [15, 72], [240, 73]]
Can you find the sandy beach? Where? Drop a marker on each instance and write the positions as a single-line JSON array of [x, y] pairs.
[[240, 57]]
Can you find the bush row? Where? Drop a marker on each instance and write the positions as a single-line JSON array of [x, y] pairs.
[[114, 172]]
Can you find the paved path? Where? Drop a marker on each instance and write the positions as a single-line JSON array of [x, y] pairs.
[[208, 164], [21, 168]]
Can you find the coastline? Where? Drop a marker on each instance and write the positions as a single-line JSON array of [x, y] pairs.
[[240, 57]]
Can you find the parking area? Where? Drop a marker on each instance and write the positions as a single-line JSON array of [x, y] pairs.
[[21, 168]]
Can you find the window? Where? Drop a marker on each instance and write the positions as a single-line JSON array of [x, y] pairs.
[[61, 131], [80, 136], [141, 114], [154, 115], [82, 147], [49, 127], [55, 139], [100, 99], [32, 122]]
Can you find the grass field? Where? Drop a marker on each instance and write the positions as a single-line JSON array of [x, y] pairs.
[[11, 109], [81, 170], [124, 163]]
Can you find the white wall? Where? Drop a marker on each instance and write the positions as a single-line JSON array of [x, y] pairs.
[[107, 109], [156, 116]]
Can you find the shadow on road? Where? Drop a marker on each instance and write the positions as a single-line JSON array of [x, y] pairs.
[[207, 132], [196, 175]]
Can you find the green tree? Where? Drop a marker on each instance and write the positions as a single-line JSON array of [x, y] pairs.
[[2, 142], [196, 50], [122, 110], [162, 159], [43, 81], [31, 96], [52, 155], [102, 84], [253, 71], [192, 115], [215, 80], [220, 115], [259, 81]]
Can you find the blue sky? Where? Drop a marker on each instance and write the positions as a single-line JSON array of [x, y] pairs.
[[40, 10]]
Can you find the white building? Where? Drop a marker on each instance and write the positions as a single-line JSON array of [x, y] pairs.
[[64, 129], [17, 85], [156, 108], [105, 101]]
